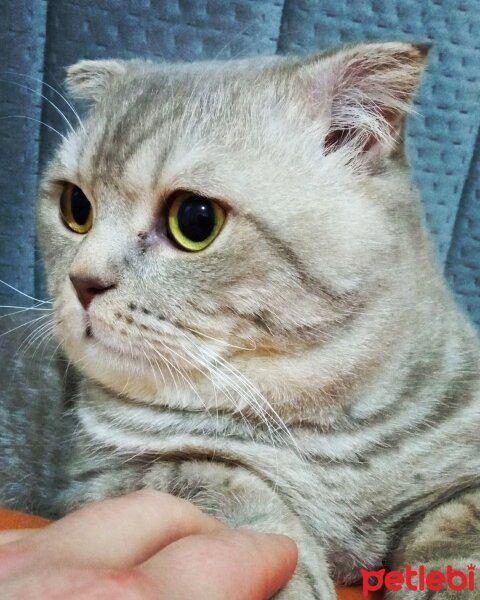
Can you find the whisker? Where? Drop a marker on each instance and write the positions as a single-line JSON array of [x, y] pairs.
[[22, 310], [127, 383], [25, 307], [23, 325], [26, 87], [167, 364], [54, 352], [256, 395], [223, 342], [47, 335], [37, 121], [153, 373], [244, 50], [258, 409], [189, 383], [23, 293], [54, 90], [33, 335], [224, 387], [153, 370], [42, 333]]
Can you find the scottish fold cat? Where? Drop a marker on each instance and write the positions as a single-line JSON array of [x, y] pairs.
[[242, 278]]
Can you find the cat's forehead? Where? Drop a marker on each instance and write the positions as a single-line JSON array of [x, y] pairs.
[[147, 95], [190, 112]]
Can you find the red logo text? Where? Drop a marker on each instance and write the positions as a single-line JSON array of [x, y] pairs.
[[418, 580]]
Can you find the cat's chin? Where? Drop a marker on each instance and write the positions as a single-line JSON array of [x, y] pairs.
[[129, 374], [109, 366]]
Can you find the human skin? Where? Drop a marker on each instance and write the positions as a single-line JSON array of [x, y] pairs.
[[146, 545]]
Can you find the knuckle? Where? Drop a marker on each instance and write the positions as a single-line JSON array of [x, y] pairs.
[[216, 547]]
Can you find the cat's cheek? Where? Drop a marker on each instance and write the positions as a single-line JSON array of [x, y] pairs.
[[112, 371], [93, 358]]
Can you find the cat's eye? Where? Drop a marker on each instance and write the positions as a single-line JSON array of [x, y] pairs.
[[75, 209], [194, 222]]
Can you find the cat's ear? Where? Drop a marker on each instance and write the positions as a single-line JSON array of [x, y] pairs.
[[364, 92], [89, 79]]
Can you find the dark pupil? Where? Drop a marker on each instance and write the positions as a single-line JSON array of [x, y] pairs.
[[80, 207], [196, 219]]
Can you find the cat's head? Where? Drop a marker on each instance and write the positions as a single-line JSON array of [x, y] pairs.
[[210, 224]]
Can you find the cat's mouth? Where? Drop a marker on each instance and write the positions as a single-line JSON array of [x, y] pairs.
[[108, 344], [104, 337], [88, 327], [93, 331]]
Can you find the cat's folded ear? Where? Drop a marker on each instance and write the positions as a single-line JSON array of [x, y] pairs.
[[90, 79], [364, 93]]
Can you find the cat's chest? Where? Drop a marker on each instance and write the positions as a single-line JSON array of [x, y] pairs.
[[244, 486], [349, 477], [350, 503]]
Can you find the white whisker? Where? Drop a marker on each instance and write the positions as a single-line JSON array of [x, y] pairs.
[[257, 398], [42, 338], [223, 342], [33, 335], [23, 325], [54, 352], [37, 121], [187, 381], [26, 87], [21, 308], [54, 90], [23, 293]]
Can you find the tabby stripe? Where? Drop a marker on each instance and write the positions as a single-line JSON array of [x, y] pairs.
[[311, 283]]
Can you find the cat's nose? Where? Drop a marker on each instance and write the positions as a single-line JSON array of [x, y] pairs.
[[89, 287]]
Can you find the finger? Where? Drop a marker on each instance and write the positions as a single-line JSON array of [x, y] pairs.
[[14, 534], [229, 564], [120, 532]]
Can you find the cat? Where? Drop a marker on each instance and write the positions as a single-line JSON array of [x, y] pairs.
[[242, 276]]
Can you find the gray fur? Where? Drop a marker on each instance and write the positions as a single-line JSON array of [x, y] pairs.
[[308, 373]]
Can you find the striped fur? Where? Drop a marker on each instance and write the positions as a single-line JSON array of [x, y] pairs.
[[308, 373]]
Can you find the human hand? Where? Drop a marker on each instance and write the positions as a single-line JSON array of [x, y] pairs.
[[143, 546]]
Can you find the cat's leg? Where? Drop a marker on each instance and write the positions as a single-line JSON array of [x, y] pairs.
[[447, 536], [226, 491], [241, 499]]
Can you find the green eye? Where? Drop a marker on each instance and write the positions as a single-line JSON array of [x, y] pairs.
[[194, 222], [75, 209]]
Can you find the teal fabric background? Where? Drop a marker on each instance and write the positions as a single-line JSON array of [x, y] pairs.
[[38, 39]]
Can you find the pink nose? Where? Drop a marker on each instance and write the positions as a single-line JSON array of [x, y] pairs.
[[89, 287]]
